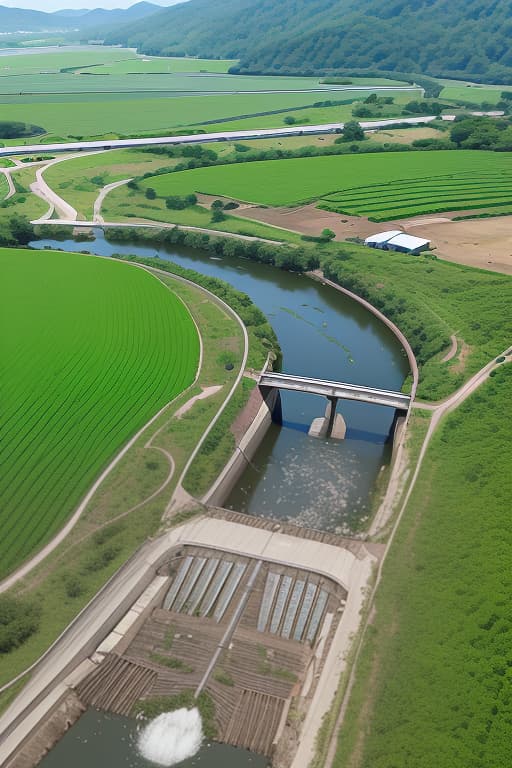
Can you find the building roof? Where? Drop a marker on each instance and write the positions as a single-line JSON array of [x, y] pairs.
[[382, 237], [408, 241]]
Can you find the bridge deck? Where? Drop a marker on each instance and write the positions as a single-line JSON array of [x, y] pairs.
[[336, 389]]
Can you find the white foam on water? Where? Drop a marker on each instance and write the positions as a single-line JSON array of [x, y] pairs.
[[171, 737]]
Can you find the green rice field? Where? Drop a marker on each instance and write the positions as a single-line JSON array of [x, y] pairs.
[[91, 350], [383, 186], [125, 115], [473, 94], [85, 92]]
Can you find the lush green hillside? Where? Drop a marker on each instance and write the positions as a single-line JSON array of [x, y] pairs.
[[431, 36], [92, 349]]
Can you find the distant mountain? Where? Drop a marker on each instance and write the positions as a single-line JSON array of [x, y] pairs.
[[460, 38], [68, 12], [18, 19]]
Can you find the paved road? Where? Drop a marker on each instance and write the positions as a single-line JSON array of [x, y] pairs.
[[202, 138]]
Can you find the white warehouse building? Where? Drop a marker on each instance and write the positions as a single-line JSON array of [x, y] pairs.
[[395, 240]]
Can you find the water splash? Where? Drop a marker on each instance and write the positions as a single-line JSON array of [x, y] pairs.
[[171, 737]]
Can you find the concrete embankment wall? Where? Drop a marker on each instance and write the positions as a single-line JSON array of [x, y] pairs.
[[244, 452]]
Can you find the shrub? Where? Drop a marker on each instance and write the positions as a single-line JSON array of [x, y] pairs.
[[19, 619]]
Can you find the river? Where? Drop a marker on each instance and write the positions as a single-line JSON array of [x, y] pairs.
[[319, 483], [322, 333]]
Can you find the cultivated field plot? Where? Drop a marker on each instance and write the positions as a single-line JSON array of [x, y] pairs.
[[91, 350], [383, 186], [86, 92], [159, 65], [473, 94], [143, 113]]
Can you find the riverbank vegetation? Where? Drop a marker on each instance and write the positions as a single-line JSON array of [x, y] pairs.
[[433, 675], [427, 298]]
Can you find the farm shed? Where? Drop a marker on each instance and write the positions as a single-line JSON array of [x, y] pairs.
[[381, 239], [407, 243]]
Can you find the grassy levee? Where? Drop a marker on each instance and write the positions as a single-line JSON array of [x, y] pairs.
[[433, 679], [382, 186], [94, 350], [218, 446], [430, 300], [128, 506]]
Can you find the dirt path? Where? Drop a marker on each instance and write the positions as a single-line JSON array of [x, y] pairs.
[[452, 351], [97, 217], [440, 411], [12, 189]]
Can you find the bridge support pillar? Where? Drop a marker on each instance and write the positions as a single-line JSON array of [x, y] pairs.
[[331, 425]]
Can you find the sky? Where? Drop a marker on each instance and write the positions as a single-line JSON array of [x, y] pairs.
[[57, 5]]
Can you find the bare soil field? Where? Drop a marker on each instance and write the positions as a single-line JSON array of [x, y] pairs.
[[307, 220], [405, 135], [483, 243]]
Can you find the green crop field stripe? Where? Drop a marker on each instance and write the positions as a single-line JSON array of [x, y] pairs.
[[294, 181], [108, 348], [107, 429]]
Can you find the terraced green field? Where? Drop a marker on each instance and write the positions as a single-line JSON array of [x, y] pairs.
[[382, 186], [91, 350]]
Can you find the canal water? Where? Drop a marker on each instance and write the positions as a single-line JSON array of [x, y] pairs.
[[320, 483], [316, 483], [101, 740]]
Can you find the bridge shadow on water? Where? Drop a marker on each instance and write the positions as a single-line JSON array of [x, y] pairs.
[[352, 434]]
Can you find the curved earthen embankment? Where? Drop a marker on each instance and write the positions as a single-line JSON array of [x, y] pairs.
[[317, 274], [398, 473]]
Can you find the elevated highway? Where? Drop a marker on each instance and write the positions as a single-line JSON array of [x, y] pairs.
[[202, 138]]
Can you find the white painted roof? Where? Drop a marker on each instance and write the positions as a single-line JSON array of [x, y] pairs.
[[408, 241], [382, 237]]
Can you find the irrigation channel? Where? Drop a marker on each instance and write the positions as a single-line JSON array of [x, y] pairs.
[[316, 483]]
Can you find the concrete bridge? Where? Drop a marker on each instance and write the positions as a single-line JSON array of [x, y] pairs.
[[332, 424]]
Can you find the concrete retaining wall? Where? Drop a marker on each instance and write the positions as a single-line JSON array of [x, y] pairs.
[[244, 452]]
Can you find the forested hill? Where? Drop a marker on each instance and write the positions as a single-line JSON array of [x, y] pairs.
[[460, 38]]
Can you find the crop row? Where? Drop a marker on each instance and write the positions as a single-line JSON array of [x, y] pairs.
[[102, 350]]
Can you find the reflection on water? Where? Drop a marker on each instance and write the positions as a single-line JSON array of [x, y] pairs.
[[323, 334], [101, 740]]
